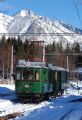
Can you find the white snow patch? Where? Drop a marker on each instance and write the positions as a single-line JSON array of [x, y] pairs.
[[23, 13], [54, 109]]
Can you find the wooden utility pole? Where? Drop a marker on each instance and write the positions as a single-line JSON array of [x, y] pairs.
[[3, 63], [67, 63], [43, 51], [11, 72]]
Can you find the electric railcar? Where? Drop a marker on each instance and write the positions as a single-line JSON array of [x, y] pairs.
[[38, 80]]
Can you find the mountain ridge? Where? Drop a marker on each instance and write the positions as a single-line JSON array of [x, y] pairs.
[[25, 21]]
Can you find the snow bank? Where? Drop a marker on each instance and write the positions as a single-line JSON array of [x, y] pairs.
[[59, 108]]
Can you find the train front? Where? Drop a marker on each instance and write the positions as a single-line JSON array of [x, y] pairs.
[[31, 80]]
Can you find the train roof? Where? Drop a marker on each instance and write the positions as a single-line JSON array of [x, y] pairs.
[[77, 70], [23, 63], [56, 68]]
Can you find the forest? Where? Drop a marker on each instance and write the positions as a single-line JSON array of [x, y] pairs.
[[32, 50]]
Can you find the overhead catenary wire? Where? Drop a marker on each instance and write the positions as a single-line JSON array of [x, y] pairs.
[[42, 34], [77, 12]]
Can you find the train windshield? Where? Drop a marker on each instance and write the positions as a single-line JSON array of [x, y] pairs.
[[25, 74], [28, 74]]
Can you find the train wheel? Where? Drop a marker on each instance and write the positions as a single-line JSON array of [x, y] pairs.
[[46, 97]]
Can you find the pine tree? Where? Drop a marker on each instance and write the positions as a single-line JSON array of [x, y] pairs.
[[67, 49], [20, 47], [76, 47], [31, 51], [26, 49]]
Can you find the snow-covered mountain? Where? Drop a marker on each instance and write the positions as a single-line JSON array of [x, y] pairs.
[[4, 21], [26, 21]]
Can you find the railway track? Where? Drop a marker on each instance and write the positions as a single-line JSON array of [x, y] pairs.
[[77, 114], [64, 116], [8, 94], [77, 100], [68, 115]]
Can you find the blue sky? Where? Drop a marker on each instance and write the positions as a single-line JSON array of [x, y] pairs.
[[63, 10]]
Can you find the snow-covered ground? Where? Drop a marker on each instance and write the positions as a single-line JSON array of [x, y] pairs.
[[60, 108]]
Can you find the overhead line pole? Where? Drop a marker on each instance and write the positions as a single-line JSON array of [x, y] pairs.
[[11, 72]]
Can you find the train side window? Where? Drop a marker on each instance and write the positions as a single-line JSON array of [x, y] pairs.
[[55, 75], [18, 76], [21, 75], [45, 75], [37, 76]]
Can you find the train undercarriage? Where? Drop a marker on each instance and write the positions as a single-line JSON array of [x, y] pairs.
[[38, 97]]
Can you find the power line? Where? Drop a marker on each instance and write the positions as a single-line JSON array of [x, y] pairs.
[[77, 12], [66, 54], [42, 34]]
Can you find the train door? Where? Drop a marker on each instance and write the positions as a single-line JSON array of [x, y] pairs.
[[58, 82], [64, 79], [54, 79], [37, 80]]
